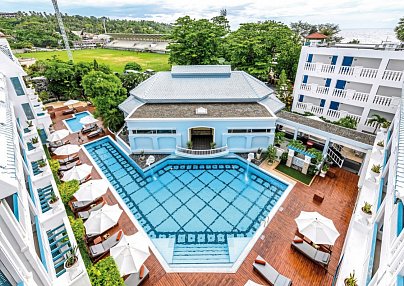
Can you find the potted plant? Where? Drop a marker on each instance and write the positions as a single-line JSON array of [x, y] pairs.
[[324, 170], [367, 210], [271, 154], [53, 201], [142, 156], [351, 280], [29, 124], [212, 145], [259, 153], [284, 157], [380, 144], [384, 126], [41, 164], [72, 260], [279, 138], [189, 144], [35, 141], [375, 171]]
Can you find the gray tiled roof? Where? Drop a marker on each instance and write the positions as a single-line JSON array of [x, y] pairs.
[[130, 104], [358, 136], [210, 84], [214, 110]]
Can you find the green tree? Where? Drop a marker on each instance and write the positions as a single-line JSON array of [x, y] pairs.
[[67, 189], [132, 66], [105, 273], [399, 29], [284, 91], [303, 29], [347, 122], [255, 47], [195, 42], [106, 93], [379, 120], [132, 80]]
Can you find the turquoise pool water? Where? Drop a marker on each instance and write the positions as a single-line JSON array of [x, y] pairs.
[[74, 122], [193, 201]]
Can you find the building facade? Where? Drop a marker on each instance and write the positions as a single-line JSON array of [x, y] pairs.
[[34, 238], [354, 81], [210, 106]]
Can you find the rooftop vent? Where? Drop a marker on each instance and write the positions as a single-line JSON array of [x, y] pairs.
[[201, 110]]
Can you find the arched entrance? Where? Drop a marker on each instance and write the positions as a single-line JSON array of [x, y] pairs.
[[201, 137]]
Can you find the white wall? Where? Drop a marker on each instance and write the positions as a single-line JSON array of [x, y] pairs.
[[373, 63], [395, 65]]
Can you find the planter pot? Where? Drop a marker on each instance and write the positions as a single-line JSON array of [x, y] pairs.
[[35, 145], [374, 175], [142, 158], [383, 130], [73, 267], [258, 156], [366, 215], [270, 163], [53, 205], [322, 173]]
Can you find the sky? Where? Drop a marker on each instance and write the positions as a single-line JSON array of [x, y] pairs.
[[347, 13]]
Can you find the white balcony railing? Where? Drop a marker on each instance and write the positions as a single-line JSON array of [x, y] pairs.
[[322, 90], [370, 124], [301, 106], [341, 93], [320, 67], [368, 73], [382, 100], [310, 66], [360, 96], [327, 68], [317, 110], [335, 114], [185, 152], [356, 117], [392, 75], [305, 86], [338, 114], [345, 70]]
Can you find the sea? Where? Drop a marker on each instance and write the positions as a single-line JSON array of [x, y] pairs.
[[368, 35]]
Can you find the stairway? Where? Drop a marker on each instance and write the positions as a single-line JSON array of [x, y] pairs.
[[201, 254], [335, 155]]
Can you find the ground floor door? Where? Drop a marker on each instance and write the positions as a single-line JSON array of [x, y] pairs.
[[201, 137]]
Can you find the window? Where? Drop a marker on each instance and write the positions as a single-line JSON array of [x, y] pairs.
[[28, 111], [154, 131], [19, 90], [249, 131]]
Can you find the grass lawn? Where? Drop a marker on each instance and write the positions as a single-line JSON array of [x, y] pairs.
[[114, 58], [305, 179]]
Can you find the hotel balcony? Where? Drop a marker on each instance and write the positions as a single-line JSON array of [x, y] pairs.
[[309, 107], [319, 67]]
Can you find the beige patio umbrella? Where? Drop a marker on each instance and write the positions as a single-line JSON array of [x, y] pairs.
[[103, 219], [317, 228], [58, 135], [91, 190], [130, 253], [77, 173], [67, 150], [71, 102], [88, 120]]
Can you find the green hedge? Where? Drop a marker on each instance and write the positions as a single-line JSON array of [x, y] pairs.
[[105, 273], [79, 232], [55, 166], [67, 189]]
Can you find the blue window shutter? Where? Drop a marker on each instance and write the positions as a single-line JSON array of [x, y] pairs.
[[322, 103], [305, 78], [334, 60], [334, 105], [310, 58], [301, 97], [399, 217], [340, 84], [328, 82], [347, 61]]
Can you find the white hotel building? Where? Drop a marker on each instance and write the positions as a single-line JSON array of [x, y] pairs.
[[34, 238], [353, 80]]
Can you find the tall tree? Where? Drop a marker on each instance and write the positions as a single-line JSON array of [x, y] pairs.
[[132, 80], [399, 29], [284, 90], [303, 29], [257, 47], [195, 42]]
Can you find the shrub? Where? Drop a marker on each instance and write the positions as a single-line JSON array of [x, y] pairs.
[[376, 168], [284, 157], [367, 208], [279, 137], [297, 144], [79, 232], [271, 153], [67, 189], [132, 66], [55, 166], [347, 122], [105, 273], [318, 155]]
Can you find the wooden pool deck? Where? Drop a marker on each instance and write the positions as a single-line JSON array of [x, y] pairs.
[[340, 196]]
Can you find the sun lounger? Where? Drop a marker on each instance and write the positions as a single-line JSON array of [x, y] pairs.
[[320, 257], [96, 133], [91, 237], [137, 278], [68, 166], [98, 251], [84, 215], [58, 144], [68, 160], [269, 273], [80, 205], [89, 128], [69, 111], [85, 180]]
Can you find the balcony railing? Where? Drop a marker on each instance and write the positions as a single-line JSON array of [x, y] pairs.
[[360, 96], [338, 114], [301, 105], [310, 66], [217, 152], [325, 68], [317, 110], [382, 100], [392, 75], [341, 93], [345, 70], [368, 73], [305, 86], [322, 89]]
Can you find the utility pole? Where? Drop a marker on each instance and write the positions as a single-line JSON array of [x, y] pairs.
[[62, 29]]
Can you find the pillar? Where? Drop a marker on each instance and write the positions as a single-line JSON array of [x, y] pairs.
[[291, 154]]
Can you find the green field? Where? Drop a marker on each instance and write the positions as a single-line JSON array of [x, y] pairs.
[[114, 58]]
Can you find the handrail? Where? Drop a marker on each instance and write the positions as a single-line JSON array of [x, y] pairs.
[[202, 152], [337, 160]]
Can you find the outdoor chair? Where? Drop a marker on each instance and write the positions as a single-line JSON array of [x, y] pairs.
[[89, 128], [85, 180], [91, 237], [77, 206], [57, 144], [100, 250], [84, 215], [319, 257], [69, 111], [269, 273], [96, 133], [69, 159], [137, 278], [68, 166]]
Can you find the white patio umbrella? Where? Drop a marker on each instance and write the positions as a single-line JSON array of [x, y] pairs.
[[317, 228], [252, 283], [88, 120], [71, 102], [77, 173], [91, 190], [130, 253], [103, 219], [67, 150], [58, 135]]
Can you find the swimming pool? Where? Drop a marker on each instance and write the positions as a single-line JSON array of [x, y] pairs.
[[201, 205], [74, 123]]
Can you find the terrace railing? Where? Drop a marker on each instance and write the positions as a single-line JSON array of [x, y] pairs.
[[208, 153]]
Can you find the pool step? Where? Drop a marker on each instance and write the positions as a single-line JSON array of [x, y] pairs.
[[201, 254]]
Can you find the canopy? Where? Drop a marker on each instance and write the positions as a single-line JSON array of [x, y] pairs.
[[67, 150], [71, 102], [79, 172], [91, 190], [58, 135], [130, 253], [317, 228], [88, 120], [103, 219]]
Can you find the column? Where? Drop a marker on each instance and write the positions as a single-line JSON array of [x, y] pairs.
[[306, 165], [291, 154]]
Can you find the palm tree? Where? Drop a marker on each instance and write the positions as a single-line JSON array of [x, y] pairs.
[[379, 120]]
